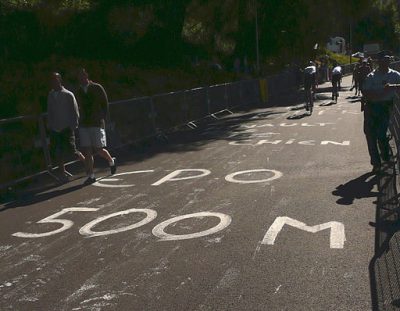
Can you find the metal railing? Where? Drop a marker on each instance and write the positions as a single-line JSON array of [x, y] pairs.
[[24, 143], [394, 126]]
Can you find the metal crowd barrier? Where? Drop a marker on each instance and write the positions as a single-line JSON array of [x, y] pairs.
[[283, 83], [394, 126], [24, 142], [23, 147]]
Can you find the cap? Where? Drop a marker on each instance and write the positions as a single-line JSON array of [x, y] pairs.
[[384, 55]]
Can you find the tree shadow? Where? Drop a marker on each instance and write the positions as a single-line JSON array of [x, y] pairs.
[[32, 197], [228, 127], [360, 187], [298, 116], [328, 104]]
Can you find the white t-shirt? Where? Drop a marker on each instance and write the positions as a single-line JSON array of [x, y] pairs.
[[310, 70], [337, 70], [377, 80]]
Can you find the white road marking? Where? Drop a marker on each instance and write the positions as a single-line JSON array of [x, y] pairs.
[[87, 229], [173, 176], [231, 177], [52, 219], [311, 142], [307, 142], [101, 184], [337, 237], [159, 230], [344, 143], [277, 289]]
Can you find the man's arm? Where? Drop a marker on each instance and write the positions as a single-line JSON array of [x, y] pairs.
[[395, 85], [50, 112], [74, 112], [103, 100]]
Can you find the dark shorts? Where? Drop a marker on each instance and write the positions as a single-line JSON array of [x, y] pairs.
[[336, 78], [62, 143], [309, 81]]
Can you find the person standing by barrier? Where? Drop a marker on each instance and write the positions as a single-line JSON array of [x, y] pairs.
[[363, 71], [93, 105], [62, 120], [356, 78], [379, 92]]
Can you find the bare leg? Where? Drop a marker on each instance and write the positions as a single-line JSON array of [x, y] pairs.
[[80, 156], [88, 160], [104, 154]]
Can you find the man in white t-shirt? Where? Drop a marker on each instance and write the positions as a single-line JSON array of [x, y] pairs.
[[379, 90], [336, 78], [310, 76]]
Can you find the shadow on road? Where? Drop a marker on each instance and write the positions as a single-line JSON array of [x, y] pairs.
[[179, 140], [29, 198], [297, 116], [360, 187], [384, 267]]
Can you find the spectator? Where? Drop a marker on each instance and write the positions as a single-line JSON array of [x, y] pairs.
[[93, 105], [379, 92], [363, 72], [356, 75], [63, 116]]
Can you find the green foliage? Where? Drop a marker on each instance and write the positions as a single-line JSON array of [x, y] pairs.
[[25, 90], [150, 34]]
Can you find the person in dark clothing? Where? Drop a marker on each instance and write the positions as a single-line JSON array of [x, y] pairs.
[[93, 105], [363, 71], [379, 92]]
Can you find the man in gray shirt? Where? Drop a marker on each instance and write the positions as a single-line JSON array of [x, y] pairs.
[[379, 91], [62, 120]]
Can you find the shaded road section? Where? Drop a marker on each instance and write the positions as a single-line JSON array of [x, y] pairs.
[[259, 210]]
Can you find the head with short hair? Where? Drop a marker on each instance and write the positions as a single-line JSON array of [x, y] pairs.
[[83, 76], [55, 80], [384, 59]]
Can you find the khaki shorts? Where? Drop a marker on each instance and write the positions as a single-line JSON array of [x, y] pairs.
[[94, 137]]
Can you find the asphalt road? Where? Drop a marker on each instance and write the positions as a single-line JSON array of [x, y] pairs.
[[285, 205]]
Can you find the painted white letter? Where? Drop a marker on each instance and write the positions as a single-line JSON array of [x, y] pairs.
[[337, 237], [231, 177], [265, 141], [172, 176], [307, 142], [159, 230], [344, 143], [101, 181]]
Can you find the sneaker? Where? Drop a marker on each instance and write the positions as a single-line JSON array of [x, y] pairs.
[[89, 181], [113, 168]]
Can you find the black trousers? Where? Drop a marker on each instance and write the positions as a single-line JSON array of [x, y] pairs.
[[376, 123]]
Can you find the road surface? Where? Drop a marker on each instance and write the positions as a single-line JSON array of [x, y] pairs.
[[259, 210]]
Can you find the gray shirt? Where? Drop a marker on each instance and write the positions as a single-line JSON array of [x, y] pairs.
[[377, 80], [62, 110]]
